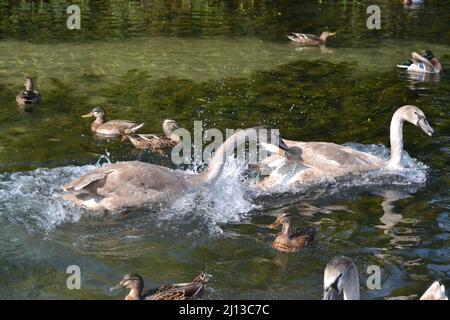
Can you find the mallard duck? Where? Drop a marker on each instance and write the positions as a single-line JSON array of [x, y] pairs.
[[155, 142], [426, 63], [290, 239], [177, 291], [110, 128], [341, 277], [410, 2], [314, 161], [130, 184], [310, 39], [28, 96]]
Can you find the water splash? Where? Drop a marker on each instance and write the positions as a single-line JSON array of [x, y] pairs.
[[33, 198]]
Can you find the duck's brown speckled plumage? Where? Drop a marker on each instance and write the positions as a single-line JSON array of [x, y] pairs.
[[292, 240], [176, 291], [307, 39], [157, 141]]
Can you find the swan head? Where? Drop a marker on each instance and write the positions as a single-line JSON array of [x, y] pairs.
[[339, 272], [169, 126], [415, 116], [131, 281], [281, 219], [97, 112], [291, 153]]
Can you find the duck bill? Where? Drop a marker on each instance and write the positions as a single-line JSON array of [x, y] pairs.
[[274, 225], [119, 286], [425, 126], [332, 34], [89, 115], [330, 294]]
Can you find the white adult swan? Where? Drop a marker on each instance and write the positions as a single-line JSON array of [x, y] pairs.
[[341, 277], [312, 161], [122, 185]]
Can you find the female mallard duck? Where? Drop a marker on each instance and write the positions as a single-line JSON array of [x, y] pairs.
[[426, 63], [123, 185], [157, 142], [28, 96], [290, 239], [110, 128], [341, 277], [177, 291], [312, 161], [310, 39]]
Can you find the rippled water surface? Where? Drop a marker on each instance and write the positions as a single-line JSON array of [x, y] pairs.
[[229, 65]]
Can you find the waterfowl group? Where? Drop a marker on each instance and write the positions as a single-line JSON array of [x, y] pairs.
[[176, 291], [28, 97], [314, 161], [341, 278], [131, 184]]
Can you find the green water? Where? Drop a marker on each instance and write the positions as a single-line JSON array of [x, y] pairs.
[[228, 64]]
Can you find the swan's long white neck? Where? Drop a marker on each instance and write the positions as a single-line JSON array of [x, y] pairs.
[[351, 285], [396, 134], [210, 175]]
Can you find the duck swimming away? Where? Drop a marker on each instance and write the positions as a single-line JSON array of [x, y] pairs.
[[112, 128], [290, 239], [119, 186], [177, 291], [341, 277], [29, 96], [157, 142], [312, 161]]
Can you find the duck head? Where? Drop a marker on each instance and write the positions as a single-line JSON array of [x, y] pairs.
[[97, 113], [169, 126], [281, 219], [131, 281], [28, 84], [326, 34]]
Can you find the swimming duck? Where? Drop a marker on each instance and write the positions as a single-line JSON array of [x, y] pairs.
[[310, 39], [110, 128], [28, 96], [155, 142], [290, 239], [410, 2], [426, 63], [177, 291], [130, 184], [341, 277], [313, 161]]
